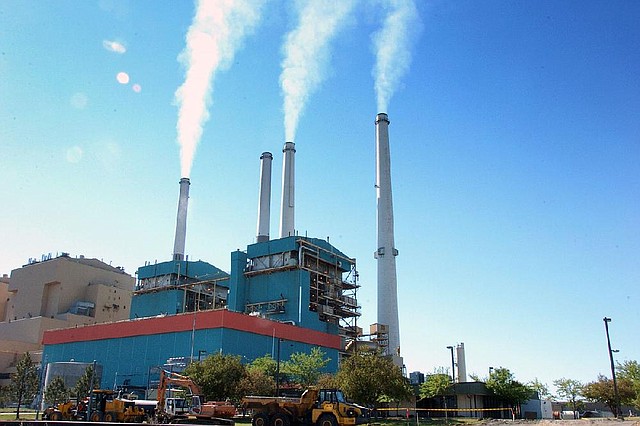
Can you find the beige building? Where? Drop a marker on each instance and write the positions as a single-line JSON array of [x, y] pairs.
[[4, 295], [57, 293]]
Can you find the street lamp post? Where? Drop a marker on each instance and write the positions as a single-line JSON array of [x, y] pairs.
[[613, 368], [453, 365], [278, 369]]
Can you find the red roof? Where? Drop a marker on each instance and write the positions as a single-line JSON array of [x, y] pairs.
[[201, 320]]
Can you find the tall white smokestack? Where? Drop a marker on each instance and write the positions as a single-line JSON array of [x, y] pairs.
[[386, 253], [264, 201], [462, 364], [287, 211], [181, 222]]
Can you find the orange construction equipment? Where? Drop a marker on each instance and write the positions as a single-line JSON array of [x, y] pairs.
[[170, 408]]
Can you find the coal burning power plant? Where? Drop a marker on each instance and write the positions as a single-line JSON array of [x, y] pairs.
[[281, 296]]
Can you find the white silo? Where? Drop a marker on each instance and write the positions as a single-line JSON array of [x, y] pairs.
[[462, 366]]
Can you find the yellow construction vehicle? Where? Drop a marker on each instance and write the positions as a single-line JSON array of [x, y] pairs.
[[105, 406], [319, 407], [66, 411]]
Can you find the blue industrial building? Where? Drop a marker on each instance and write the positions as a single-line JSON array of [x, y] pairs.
[[295, 292]]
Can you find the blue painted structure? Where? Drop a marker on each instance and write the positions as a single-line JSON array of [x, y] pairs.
[[291, 289]]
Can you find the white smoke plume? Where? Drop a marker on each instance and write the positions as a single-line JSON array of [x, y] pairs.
[[217, 31], [392, 48], [306, 50]]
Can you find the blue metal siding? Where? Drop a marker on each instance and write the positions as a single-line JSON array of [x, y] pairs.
[[132, 358], [272, 247], [237, 282], [169, 302], [197, 270]]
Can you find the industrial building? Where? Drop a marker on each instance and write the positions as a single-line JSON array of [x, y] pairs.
[[295, 292], [281, 296], [57, 292]]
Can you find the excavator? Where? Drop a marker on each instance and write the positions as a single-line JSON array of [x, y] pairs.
[[172, 409]]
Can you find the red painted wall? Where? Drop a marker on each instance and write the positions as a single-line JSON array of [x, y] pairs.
[[185, 322]]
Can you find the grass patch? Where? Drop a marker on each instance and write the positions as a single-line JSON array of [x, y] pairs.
[[10, 414]]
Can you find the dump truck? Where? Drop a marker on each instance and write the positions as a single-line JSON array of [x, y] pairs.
[[181, 410], [319, 407], [105, 406]]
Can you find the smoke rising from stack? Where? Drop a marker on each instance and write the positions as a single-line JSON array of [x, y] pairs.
[[306, 51], [392, 48], [217, 31]]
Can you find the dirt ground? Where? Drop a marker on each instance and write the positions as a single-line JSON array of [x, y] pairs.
[[632, 421]]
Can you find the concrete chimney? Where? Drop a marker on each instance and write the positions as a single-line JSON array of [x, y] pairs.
[[181, 222], [287, 211], [462, 365], [264, 200], [386, 252]]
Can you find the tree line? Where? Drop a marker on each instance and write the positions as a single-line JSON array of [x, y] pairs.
[[366, 377], [502, 383]]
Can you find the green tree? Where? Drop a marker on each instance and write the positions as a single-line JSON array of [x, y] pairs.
[[398, 389], [56, 391], [256, 382], [503, 384], [327, 381], [368, 377], [259, 377], [540, 388], [24, 382], [571, 390], [83, 386], [5, 396], [435, 384], [602, 390], [630, 370], [218, 376], [305, 369], [266, 364]]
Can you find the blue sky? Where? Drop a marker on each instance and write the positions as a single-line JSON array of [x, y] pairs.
[[515, 141]]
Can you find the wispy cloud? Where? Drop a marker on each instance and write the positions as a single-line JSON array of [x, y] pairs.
[[114, 46]]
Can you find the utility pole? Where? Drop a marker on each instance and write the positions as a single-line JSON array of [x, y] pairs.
[[453, 365], [613, 369], [278, 369]]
